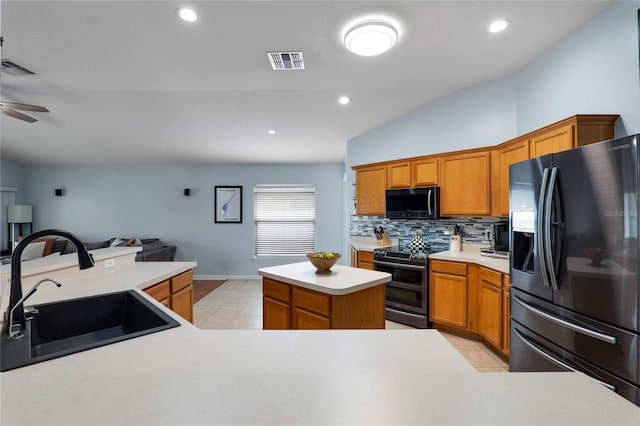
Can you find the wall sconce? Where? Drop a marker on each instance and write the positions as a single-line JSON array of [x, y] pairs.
[[187, 192], [59, 192]]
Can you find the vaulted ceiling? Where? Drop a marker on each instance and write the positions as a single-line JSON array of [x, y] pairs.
[[129, 82]]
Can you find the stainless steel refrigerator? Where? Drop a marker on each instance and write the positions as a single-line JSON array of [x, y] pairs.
[[574, 264]]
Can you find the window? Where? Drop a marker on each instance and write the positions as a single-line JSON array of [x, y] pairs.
[[285, 219]]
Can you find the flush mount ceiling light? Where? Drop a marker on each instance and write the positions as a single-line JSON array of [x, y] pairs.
[[187, 14], [370, 38], [271, 132], [344, 100], [498, 26]]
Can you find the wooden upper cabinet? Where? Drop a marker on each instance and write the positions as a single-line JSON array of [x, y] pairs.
[[466, 184], [399, 175], [371, 182], [425, 172], [508, 154], [556, 140], [571, 133]]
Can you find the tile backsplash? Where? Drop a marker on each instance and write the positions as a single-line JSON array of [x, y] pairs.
[[473, 229]]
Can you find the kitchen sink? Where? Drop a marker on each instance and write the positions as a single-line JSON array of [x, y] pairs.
[[70, 326]]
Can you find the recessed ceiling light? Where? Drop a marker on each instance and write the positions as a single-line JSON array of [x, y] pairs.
[[187, 14], [344, 100], [498, 26], [271, 132], [370, 38]]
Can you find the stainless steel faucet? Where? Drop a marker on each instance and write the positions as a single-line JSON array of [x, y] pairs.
[[15, 330], [15, 312]]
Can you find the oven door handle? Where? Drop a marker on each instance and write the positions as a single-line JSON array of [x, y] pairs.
[[400, 265]]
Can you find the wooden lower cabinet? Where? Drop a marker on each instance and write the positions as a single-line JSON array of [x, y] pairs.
[[175, 293], [471, 299], [506, 314], [448, 293], [490, 313], [287, 306]]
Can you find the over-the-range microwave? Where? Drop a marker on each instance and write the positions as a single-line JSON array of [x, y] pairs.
[[413, 203]]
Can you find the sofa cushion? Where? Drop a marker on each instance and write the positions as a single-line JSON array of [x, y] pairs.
[[93, 246], [152, 246], [33, 250], [149, 240], [59, 246], [48, 246]]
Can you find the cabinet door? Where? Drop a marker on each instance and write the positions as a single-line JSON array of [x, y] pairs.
[[365, 260], [425, 172], [399, 175], [508, 155], [506, 314], [161, 292], [448, 299], [276, 315], [490, 314], [466, 184], [182, 303], [560, 139], [305, 320], [371, 183]]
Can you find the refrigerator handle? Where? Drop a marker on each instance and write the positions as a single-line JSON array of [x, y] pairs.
[[547, 228], [540, 228], [564, 323], [557, 362]]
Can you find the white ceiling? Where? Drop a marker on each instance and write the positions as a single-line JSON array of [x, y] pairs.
[[128, 82]]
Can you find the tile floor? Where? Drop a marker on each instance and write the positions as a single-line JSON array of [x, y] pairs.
[[237, 304]]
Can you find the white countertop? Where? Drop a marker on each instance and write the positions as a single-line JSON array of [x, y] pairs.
[[188, 376], [342, 280], [370, 243], [471, 254]]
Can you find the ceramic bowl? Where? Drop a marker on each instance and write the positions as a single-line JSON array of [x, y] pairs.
[[323, 264], [596, 255]]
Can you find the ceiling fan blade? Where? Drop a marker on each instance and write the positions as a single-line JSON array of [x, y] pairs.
[[18, 115], [23, 107]]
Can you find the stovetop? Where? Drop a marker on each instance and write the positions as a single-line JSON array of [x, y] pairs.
[[395, 255]]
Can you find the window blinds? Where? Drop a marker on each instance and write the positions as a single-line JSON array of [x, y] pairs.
[[285, 219]]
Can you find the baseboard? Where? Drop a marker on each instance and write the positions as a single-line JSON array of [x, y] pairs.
[[227, 277]]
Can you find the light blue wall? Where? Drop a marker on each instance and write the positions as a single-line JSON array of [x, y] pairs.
[[147, 201], [11, 174], [594, 71]]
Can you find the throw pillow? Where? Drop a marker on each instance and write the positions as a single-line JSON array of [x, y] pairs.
[[118, 242], [33, 250], [134, 242]]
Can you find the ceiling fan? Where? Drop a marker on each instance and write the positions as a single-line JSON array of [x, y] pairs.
[[9, 108]]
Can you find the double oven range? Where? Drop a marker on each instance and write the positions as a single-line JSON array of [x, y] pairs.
[[407, 294]]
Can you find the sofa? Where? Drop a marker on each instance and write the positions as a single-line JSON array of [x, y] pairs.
[[153, 250]]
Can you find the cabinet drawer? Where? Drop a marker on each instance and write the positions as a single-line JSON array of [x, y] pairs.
[[490, 276], [276, 290], [454, 268], [311, 301], [159, 291], [365, 256], [181, 281]]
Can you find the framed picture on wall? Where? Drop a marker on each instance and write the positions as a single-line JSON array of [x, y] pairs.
[[228, 204]]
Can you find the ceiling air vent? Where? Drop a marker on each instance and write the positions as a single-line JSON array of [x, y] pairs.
[[14, 69], [286, 60]]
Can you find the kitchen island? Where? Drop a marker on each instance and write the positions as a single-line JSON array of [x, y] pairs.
[[187, 376], [295, 297]]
